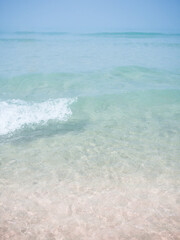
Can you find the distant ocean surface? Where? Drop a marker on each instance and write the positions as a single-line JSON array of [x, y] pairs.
[[89, 135]]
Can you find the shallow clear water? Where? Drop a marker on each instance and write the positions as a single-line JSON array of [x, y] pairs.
[[89, 136]]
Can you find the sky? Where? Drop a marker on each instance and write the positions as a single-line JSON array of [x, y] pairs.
[[90, 15]]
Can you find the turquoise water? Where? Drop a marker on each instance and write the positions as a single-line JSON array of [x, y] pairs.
[[89, 135]]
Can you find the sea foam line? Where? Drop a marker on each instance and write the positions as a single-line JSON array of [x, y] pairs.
[[15, 114]]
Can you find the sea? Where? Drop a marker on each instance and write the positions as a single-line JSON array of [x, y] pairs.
[[89, 136]]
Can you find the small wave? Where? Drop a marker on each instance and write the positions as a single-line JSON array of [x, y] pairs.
[[18, 40], [133, 34], [41, 33], [16, 114]]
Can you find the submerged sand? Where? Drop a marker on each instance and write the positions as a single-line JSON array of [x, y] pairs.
[[47, 195]]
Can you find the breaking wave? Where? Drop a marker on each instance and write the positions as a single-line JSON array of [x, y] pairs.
[[15, 114]]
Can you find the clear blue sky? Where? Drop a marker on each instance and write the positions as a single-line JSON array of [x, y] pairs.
[[90, 15]]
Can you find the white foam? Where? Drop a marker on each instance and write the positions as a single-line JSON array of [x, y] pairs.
[[15, 114]]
